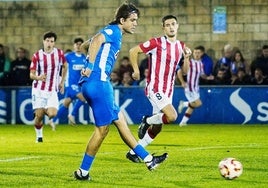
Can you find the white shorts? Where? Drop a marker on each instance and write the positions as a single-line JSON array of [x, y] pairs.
[[191, 95], [44, 99], [159, 100]]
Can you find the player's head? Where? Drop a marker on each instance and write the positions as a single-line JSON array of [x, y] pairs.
[[77, 44], [126, 17], [170, 25], [50, 34], [197, 53], [49, 40], [265, 51], [168, 17], [78, 39]]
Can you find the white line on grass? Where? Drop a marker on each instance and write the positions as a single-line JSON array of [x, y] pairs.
[[18, 159], [220, 147]]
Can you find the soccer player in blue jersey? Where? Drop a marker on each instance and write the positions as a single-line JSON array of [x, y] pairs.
[[103, 49], [76, 61]]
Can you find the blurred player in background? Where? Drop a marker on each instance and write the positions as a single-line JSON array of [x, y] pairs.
[[45, 71], [103, 49], [194, 70], [165, 53], [76, 61]]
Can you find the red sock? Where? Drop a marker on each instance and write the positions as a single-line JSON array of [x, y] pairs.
[[164, 119], [151, 134], [38, 126]]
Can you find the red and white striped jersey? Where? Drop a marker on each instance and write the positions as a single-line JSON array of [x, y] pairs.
[[196, 69], [49, 64], [164, 58]]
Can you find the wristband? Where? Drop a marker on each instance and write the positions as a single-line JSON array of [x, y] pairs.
[[89, 65]]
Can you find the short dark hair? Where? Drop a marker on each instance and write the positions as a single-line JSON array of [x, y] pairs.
[[265, 47], [50, 34], [76, 40], [124, 11], [167, 17], [202, 48]]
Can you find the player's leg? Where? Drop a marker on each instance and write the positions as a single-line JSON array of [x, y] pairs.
[[39, 104], [63, 109], [79, 102], [52, 108], [188, 113], [93, 146], [38, 123], [163, 113], [103, 118], [151, 161]]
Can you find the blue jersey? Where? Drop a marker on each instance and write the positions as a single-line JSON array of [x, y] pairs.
[[75, 64], [97, 88], [107, 54]]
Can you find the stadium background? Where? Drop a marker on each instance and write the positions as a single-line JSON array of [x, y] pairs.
[[22, 23]]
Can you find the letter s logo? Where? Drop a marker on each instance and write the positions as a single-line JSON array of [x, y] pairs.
[[241, 105]]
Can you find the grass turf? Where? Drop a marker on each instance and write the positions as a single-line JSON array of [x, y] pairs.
[[194, 154]]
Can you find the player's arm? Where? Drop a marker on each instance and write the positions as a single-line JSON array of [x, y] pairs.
[[133, 57], [93, 49], [85, 45], [63, 76], [180, 77], [33, 76]]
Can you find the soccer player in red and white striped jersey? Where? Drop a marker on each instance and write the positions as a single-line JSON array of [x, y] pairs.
[[48, 71], [193, 68], [164, 56]]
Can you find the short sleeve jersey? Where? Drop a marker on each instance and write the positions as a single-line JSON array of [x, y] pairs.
[[164, 58], [49, 64], [75, 64], [107, 55]]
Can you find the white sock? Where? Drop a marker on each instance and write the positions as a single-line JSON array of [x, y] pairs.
[[84, 172], [148, 158], [184, 119], [185, 103], [39, 132], [155, 119], [145, 141]]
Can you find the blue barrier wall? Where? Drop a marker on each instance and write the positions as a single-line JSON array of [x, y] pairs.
[[236, 105]]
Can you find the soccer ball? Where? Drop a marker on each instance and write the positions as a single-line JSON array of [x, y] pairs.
[[230, 168]]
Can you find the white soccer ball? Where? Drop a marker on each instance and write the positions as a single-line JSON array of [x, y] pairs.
[[230, 168]]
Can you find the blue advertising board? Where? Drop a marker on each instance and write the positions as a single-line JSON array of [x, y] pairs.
[[221, 105]]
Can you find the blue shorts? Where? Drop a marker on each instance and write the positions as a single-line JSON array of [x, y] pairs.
[[72, 91], [100, 97]]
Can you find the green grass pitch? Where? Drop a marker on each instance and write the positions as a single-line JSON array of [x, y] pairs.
[[194, 153]]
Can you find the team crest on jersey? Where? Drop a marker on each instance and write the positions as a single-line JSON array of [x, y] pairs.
[[108, 31], [146, 44]]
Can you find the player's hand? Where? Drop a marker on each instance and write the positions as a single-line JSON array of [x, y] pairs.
[[211, 77], [61, 88], [184, 84], [42, 77], [86, 72], [136, 75], [187, 52]]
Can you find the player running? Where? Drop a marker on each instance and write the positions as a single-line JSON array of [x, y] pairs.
[[76, 61], [45, 73], [194, 69], [164, 55], [103, 49]]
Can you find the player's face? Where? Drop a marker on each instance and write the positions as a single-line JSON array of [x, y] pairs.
[[49, 44], [77, 47], [170, 27], [129, 25], [197, 54]]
